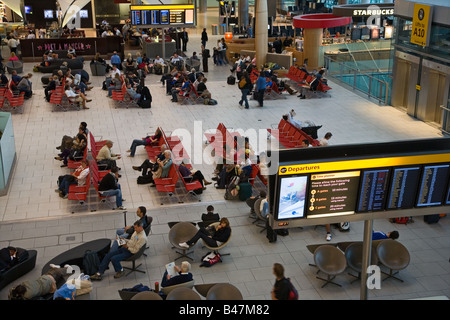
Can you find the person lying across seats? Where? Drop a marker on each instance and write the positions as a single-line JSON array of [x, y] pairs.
[[77, 177], [147, 141], [213, 236], [45, 284]]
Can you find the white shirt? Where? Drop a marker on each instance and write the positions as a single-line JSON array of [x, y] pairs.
[[104, 34], [113, 73], [70, 94], [160, 60]]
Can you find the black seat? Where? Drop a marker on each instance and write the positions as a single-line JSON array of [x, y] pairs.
[[133, 259]]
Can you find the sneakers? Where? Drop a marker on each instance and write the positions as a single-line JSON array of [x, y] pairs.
[[136, 168], [96, 276], [184, 245], [121, 207], [54, 266], [119, 274], [328, 237]]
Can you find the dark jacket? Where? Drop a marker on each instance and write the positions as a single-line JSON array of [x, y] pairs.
[[222, 235], [181, 278], [108, 183]]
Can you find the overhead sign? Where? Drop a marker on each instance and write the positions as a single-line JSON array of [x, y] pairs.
[[162, 15], [421, 24]]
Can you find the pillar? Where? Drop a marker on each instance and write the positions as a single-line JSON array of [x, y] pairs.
[[261, 33], [202, 14], [311, 46], [243, 13]]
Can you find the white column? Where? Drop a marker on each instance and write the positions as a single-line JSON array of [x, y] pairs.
[[261, 33]]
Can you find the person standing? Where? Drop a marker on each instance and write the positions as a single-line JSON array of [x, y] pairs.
[[184, 38], [260, 88], [205, 56], [204, 37]]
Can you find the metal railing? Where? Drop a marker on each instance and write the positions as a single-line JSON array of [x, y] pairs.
[[360, 80]]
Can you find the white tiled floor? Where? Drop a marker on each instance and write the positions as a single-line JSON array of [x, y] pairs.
[[33, 216]]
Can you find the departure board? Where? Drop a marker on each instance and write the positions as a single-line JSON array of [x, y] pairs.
[[359, 182], [403, 187], [160, 15], [373, 190], [433, 184], [333, 193]]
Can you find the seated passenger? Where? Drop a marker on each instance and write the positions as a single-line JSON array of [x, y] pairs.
[[194, 175], [11, 256], [77, 177], [25, 85], [109, 187], [79, 98], [76, 151], [183, 276], [213, 237], [147, 141], [147, 164]]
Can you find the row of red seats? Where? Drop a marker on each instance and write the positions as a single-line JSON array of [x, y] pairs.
[[11, 100], [290, 136]]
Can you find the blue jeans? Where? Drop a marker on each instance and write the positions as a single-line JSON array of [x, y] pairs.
[[114, 192], [82, 86], [134, 144], [244, 97], [114, 256], [65, 184]]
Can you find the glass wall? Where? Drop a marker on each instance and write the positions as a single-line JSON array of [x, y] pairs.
[[7, 150]]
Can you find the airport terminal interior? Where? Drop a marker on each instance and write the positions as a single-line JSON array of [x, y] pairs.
[[35, 217]]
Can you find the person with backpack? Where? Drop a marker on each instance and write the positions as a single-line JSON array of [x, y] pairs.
[[245, 85], [283, 288]]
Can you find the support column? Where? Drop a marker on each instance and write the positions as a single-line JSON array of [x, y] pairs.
[[261, 33], [243, 13], [311, 46], [367, 251]]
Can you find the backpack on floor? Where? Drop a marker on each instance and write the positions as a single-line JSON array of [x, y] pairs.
[[231, 79], [91, 262], [145, 179], [210, 259]]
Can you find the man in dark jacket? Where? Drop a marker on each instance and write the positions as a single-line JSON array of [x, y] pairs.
[[11, 256], [109, 187]]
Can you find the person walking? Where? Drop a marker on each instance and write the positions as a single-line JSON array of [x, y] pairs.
[[245, 85]]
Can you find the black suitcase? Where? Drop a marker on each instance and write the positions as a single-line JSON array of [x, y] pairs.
[[231, 80], [432, 218], [145, 104]]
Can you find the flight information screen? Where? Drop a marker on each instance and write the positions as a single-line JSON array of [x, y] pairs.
[[158, 15], [373, 190], [403, 187], [433, 184]]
